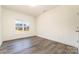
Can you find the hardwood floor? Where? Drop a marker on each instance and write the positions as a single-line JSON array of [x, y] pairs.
[[35, 45]]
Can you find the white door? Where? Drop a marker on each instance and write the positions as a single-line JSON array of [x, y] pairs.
[[0, 28], [77, 32]]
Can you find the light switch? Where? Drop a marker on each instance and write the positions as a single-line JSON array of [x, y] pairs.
[[77, 27]]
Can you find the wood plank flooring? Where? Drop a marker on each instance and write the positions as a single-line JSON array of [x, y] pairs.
[[35, 45]]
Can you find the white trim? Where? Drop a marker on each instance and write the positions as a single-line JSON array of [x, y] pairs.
[[56, 40]]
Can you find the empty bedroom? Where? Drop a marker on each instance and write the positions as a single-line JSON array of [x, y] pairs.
[[39, 29]]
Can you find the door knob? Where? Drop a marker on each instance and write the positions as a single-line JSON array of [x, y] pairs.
[[77, 30]]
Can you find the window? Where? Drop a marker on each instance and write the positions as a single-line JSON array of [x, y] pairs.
[[22, 26]]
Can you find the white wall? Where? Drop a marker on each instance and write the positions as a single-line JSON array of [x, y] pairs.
[[59, 24], [9, 20], [0, 25]]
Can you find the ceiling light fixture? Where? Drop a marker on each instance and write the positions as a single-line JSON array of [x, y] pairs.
[[33, 5]]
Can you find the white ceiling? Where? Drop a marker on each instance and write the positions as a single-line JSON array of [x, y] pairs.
[[31, 10]]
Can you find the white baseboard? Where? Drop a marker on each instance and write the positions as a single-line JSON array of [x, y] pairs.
[[56, 40]]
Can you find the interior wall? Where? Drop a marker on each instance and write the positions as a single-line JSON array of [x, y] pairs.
[[59, 24], [0, 25], [9, 21]]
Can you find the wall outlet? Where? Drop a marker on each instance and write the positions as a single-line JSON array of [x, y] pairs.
[[77, 41]]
